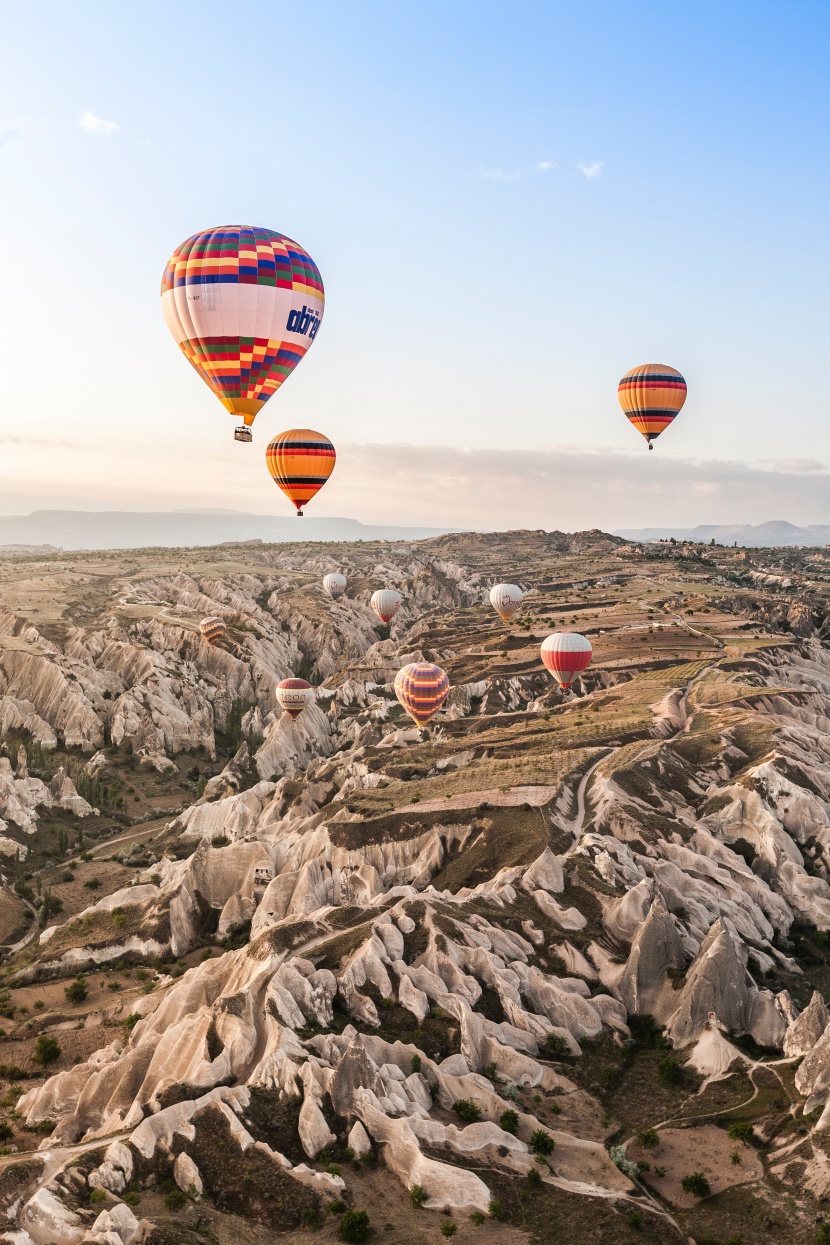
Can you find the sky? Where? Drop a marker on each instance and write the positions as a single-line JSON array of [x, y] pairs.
[[511, 205]]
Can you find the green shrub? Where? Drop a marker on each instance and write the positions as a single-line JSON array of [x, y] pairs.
[[467, 1110], [354, 1227], [97, 1196], [46, 1050], [418, 1195], [635, 1219], [554, 1047], [741, 1131], [416, 1063], [76, 992], [175, 1200], [495, 1209], [541, 1142], [477, 1217], [534, 1177], [649, 1138], [509, 1121], [448, 1228], [669, 1071], [337, 1206], [6, 1131], [696, 1184], [132, 1199]]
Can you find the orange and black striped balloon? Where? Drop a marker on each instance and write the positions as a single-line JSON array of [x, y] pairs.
[[651, 395], [214, 630], [300, 461]]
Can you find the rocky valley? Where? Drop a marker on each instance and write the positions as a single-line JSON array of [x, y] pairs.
[[550, 969]]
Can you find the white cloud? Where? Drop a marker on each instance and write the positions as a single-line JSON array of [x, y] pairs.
[[514, 175], [96, 125], [594, 169], [501, 175]]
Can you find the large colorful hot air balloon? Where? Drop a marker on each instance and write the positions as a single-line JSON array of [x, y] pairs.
[[386, 602], [565, 654], [214, 631], [651, 396], [293, 695], [334, 584], [244, 305], [505, 600], [300, 462], [422, 689]]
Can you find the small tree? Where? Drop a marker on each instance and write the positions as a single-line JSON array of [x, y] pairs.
[[468, 1110], [696, 1184], [649, 1138], [741, 1130], [670, 1071], [46, 1050], [76, 992], [541, 1142], [509, 1121], [354, 1227]]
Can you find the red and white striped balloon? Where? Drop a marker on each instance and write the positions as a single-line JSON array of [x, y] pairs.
[[386, 602], [565, 654], [293, 695]]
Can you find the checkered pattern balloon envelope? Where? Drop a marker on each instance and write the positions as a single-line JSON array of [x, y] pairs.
[[244, 305], [651, 396], [422, 689]]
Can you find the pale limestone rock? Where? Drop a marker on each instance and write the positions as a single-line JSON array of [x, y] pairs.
[[315, 1133], [413, 999], [565, 918], [186, 1175], [116, 1170], [803, 1035], [545, 872], [644, 986], [358, 1139], [47, 1220], [117, 1224], [718, 982], [713, 1055], [624, 917]]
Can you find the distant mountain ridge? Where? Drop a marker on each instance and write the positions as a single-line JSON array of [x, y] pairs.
[[121, 529], [773, 533]]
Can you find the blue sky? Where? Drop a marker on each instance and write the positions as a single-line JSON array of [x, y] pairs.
[[511, 204]]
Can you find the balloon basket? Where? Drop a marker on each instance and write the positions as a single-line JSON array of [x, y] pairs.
[[243, 434]]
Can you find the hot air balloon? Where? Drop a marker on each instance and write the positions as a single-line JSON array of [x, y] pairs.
[[335, 585], [214, 631], [244, 305], [565, 653], [422, 689], [293, 695], [651, 396], [505, 600], [300, 462], [386, 602]]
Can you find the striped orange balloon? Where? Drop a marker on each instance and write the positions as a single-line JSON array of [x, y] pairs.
[[651, 395], [422, 689], [300, 461], [214, 630]]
